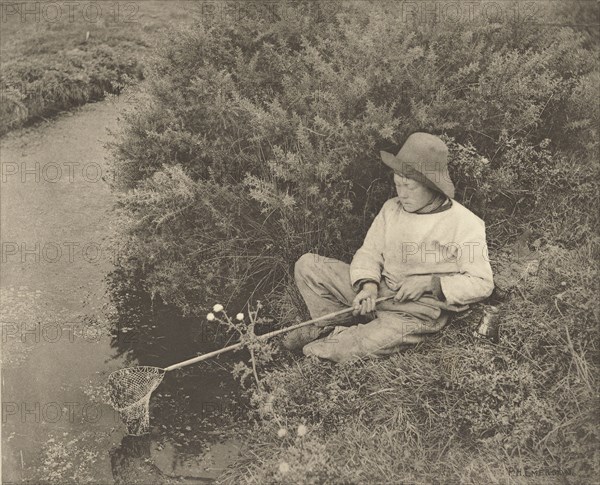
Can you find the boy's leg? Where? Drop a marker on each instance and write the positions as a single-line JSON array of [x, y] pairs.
[[387, 334], [325, 286]]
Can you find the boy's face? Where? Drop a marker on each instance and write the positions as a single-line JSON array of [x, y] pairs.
[[412, 194]]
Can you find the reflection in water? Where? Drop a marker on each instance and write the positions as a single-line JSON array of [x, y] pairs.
[[132, 464], [192, 409], [149, 332]]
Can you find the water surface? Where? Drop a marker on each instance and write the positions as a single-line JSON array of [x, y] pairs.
[[63, 332]]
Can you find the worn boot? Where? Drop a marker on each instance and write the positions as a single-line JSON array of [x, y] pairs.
[[296, 339]]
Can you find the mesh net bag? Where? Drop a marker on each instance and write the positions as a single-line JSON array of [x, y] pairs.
[[130, 390]]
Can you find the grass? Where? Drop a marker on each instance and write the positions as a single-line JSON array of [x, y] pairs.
[[454, 409], [54, 60]]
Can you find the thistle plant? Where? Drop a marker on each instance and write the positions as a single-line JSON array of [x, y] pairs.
[[261, 352]]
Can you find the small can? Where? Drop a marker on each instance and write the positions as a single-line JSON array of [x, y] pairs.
[[490, 324]]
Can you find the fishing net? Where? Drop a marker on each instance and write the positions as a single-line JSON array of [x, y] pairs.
[[129, 391]]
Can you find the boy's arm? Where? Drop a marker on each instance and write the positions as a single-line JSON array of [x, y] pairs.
[[359, 284], [367, 262], [475, 281]]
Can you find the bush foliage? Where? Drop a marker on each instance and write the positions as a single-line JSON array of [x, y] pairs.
[[256, 140], [58, 56], [287, 116]]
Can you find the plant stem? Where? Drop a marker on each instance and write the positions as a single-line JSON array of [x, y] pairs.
[[254, 369]]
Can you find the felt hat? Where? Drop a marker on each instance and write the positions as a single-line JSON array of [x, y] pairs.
[[424, 158]]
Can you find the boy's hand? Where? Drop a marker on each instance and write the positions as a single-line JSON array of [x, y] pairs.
[[413, 287], [364, 301]]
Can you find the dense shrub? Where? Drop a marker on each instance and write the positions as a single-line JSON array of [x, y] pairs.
[[257, 140], [41, 86], [55, 58], [290, 114]]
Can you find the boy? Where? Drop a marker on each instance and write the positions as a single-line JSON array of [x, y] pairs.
[[423, 246]]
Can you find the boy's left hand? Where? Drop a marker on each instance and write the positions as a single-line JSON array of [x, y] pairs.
[[413, 287]]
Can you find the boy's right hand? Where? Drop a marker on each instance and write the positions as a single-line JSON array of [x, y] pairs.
[[364, 301]]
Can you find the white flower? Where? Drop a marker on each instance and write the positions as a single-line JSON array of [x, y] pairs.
[[239, 316], [302, 430], [284, 467], [210, 317], [282, 432], [218, 308]]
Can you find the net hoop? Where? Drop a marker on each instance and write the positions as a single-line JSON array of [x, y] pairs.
[[129, 390]]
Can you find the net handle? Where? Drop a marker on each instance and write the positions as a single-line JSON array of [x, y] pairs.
[[268, 335], [430, 303]]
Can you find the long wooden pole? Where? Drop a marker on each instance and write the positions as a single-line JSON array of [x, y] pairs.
[[266, 336], [200, 358]]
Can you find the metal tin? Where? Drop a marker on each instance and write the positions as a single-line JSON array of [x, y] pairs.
[[490, 324]]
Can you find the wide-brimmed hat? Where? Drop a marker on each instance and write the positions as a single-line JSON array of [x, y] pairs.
[[424, 158]]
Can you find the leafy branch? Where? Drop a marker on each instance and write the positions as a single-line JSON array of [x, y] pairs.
[[261, 352]]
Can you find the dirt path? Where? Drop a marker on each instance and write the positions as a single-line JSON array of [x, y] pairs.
[[55, 217]]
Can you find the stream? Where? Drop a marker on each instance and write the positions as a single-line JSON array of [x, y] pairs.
[[63, 333]]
